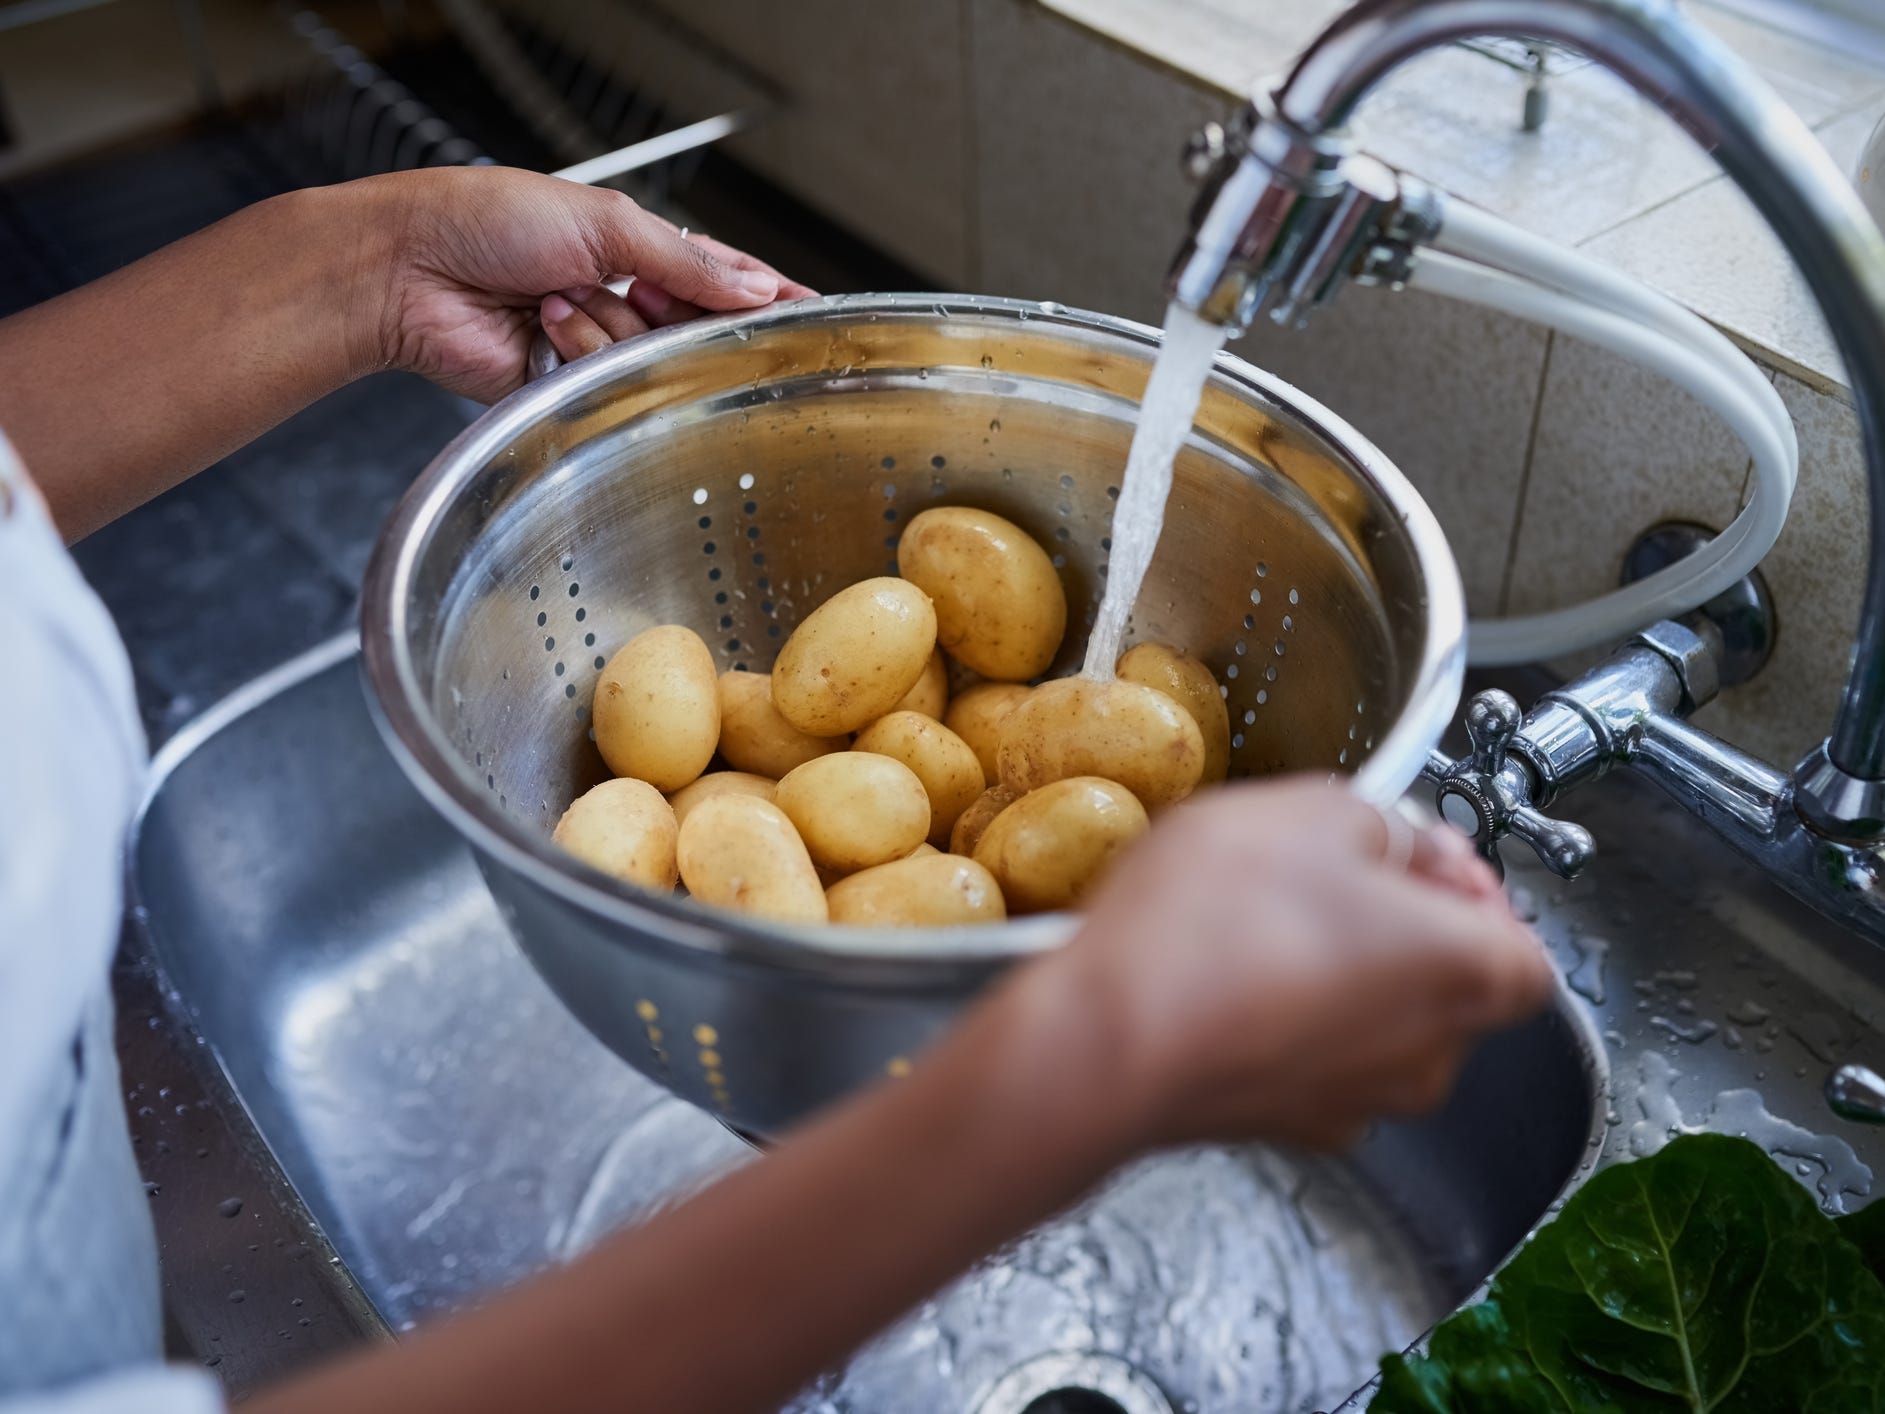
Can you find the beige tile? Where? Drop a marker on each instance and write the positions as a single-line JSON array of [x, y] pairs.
[[1223, 43], [1603, 155], [1079, 195], [1818, 82], [1816, 572], [1616, 452], [1712, 251], [873, 126], [1445, 389]]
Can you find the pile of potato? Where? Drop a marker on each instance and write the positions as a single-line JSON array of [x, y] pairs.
[[849, 787]]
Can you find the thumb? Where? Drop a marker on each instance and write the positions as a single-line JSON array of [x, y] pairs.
[[630, 241]]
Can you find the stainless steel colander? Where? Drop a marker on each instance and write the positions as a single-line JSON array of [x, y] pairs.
[[733, 473]]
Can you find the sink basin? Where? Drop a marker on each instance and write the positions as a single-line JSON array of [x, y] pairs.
[[405, 1086]]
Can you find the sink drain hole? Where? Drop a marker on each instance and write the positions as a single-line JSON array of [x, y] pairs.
[[1075, 1383], [1071, 1400]]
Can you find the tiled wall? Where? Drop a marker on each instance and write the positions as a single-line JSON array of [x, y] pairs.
[[1006, 148]]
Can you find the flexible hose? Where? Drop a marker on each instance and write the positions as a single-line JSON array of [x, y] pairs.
[[1655, 333]]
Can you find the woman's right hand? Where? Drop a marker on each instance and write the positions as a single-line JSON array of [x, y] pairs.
[[1263, 967]]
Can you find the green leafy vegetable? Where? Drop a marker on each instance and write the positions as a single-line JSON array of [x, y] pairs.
[[1865, 1230], [1702, 1279]]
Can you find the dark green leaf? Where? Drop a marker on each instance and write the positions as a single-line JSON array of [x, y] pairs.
[[1865, 1230], [1702, 1279]]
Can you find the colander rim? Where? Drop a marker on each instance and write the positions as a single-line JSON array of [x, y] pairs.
[[903, 959]]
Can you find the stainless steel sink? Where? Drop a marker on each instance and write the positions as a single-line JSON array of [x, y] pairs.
[[401, 1084]]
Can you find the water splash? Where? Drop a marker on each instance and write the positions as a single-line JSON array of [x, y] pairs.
[[1587, 978], [1171, 401]]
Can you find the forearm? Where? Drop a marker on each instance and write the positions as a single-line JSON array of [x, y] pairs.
[[737, 1298], [119, 390]]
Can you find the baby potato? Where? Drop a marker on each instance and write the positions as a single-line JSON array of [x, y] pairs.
[[854, 657], [951, 776], [656, 710], [1189, 683], [740, 852], [931, 693], [976, 716], [854, 809], [971, 824], [1123, 731], [754, 737], [1050, 847], [719, 783], [923, 851], [935, 891], [624, 828], [1000, 609]]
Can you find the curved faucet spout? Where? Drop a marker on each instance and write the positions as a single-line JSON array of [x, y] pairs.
[[1257, 227]]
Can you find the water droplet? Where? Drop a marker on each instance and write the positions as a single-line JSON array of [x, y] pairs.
[[229, 1207]]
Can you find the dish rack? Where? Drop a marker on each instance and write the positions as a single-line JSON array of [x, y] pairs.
[[620, 95]]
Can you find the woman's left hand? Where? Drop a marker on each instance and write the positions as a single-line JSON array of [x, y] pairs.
[[481, 255]]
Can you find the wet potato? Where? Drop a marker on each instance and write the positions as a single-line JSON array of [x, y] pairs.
[[977, 818], [1049, 849], [930, 696], [742, 853], [1190, 684], [942, 761], [754, 737], [855, 809], [1124, 731], [1000, 608], [923, 891], [976, 715], [719, 783], [624, 828], [656, 709], [854, 657]]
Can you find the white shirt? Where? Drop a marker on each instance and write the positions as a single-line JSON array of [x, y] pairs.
[[80, 1323]]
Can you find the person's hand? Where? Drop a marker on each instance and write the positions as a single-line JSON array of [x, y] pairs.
[[1281, 962], [480, 254]]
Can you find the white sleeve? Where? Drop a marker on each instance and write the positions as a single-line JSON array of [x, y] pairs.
[[151, 1389]]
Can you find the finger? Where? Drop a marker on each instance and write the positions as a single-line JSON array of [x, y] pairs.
[[609, 311], [1483, 963], [1443, 856], [658, 307], [572, 332], [733, 255], [630, 241]]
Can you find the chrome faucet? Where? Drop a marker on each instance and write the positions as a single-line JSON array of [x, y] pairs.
[[1290, 211]]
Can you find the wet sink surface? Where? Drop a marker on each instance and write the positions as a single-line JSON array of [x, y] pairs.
[[450, 1128]]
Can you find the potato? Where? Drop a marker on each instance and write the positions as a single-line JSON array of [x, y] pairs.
[[951, 776], [1050, 847], [656, 710], [755, 738], [936, 891], [854, 809], [922, 851], [719, 783], [854, 657], [1123, 731], [624, 828], [976, 716], [931, 693], [1189, 683], [1000, 609], [978, 817], [740, 852]]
